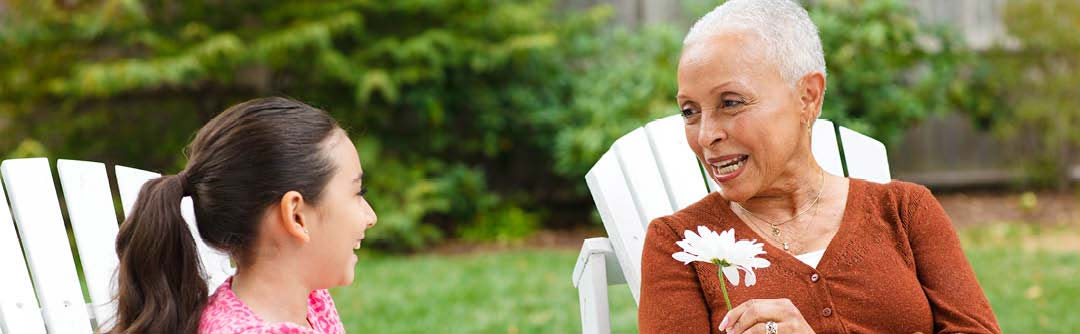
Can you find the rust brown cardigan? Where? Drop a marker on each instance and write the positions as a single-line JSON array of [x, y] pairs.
[[894, 266]]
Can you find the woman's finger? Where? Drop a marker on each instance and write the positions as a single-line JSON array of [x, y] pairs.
[[734, 315], [758, 328], [753, 312]]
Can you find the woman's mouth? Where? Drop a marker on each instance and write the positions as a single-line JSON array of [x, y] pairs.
[[728, 167]]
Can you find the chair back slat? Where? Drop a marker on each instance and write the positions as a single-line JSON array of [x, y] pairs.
[[865, 156], [643, 176], [677, 164], [824, 146], [45, 242], [130, 181], [93, 221], [19, 310], [619, 214]]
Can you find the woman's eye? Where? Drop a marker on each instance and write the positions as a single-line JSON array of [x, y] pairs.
[[687, 112], [732, 103]]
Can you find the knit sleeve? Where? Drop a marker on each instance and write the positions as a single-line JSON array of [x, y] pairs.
[[956, 299], [671, 297]]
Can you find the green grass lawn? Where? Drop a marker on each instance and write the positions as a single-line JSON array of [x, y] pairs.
[[1029, 274]]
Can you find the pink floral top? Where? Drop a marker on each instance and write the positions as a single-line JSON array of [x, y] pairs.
[[226, 314]]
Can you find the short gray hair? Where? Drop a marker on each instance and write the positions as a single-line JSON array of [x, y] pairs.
[[790, 37]]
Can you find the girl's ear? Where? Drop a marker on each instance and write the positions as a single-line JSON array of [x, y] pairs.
[[292, 211]]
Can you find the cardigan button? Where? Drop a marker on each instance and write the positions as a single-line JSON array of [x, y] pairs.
[[827, 312], [814, 278]]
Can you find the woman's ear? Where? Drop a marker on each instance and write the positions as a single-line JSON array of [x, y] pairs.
[[811, 94], [292, 211]]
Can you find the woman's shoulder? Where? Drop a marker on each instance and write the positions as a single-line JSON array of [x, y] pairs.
[[706, 211], [895, 193]]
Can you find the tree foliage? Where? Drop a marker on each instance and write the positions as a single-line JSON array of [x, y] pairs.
[[442, 97], [1035, 85], [475, 118], [888, 71]]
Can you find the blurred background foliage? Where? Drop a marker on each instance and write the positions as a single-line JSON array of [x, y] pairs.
[[1036, 81], [886, 70], [474, 118]]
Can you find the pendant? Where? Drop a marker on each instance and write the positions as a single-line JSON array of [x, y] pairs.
[[776, 231], [786, 247]]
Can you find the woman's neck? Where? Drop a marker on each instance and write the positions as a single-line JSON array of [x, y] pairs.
[[273, 294], [793, 194]]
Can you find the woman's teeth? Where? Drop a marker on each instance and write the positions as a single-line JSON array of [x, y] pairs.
[[357, 246], [730, 166]]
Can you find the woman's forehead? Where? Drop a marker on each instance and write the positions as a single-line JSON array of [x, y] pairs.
[[736, 58], [735, 48]]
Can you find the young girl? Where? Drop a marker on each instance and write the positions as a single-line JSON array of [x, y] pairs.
[[277, 185]]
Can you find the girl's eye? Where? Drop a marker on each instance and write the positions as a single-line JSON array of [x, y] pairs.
[[687, 112], [363, 191]]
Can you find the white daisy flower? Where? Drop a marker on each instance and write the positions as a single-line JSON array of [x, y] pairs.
[[723, 250]]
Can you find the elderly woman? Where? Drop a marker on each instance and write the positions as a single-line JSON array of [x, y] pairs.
[[847, 255]]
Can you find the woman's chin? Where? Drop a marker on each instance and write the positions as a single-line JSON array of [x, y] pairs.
[[733, 191]]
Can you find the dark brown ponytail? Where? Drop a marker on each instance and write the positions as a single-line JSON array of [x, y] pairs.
[[163, 287], [239, 163]]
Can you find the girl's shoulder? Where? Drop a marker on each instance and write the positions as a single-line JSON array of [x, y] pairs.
[[323, 314], [227, 314]]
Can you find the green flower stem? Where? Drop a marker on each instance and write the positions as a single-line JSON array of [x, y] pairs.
[[723, 288], [720, 265]]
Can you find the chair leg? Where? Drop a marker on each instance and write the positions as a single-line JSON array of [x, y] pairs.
[[593, 296]]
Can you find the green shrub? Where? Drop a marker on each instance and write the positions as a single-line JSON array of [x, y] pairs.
[[1035, 82], [473, 118]]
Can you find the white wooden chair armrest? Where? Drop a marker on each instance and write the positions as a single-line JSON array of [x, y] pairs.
[[602, 246], [596, 267]]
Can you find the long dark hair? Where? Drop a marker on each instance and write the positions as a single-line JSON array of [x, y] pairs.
[[239, 164]]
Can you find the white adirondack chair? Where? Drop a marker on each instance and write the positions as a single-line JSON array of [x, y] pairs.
[[651, 172], [53, 302]]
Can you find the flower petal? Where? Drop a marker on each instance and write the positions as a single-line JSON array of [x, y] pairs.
[[758, 262], [691, 237], [751, 278], [727, 237], [686, 246], [684, 257], [732, 274], [703, 231]]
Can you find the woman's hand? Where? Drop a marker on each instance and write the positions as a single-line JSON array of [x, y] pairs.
[[752, 316]]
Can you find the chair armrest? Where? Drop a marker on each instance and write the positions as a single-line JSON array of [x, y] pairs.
[[601, 246]]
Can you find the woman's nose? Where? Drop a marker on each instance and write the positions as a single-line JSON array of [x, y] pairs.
[[711, 131]]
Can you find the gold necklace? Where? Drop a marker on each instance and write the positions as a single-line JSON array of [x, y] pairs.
[[776, 226], [787, 246]]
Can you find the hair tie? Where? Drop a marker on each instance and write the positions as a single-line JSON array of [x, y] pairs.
[[182, 177]]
